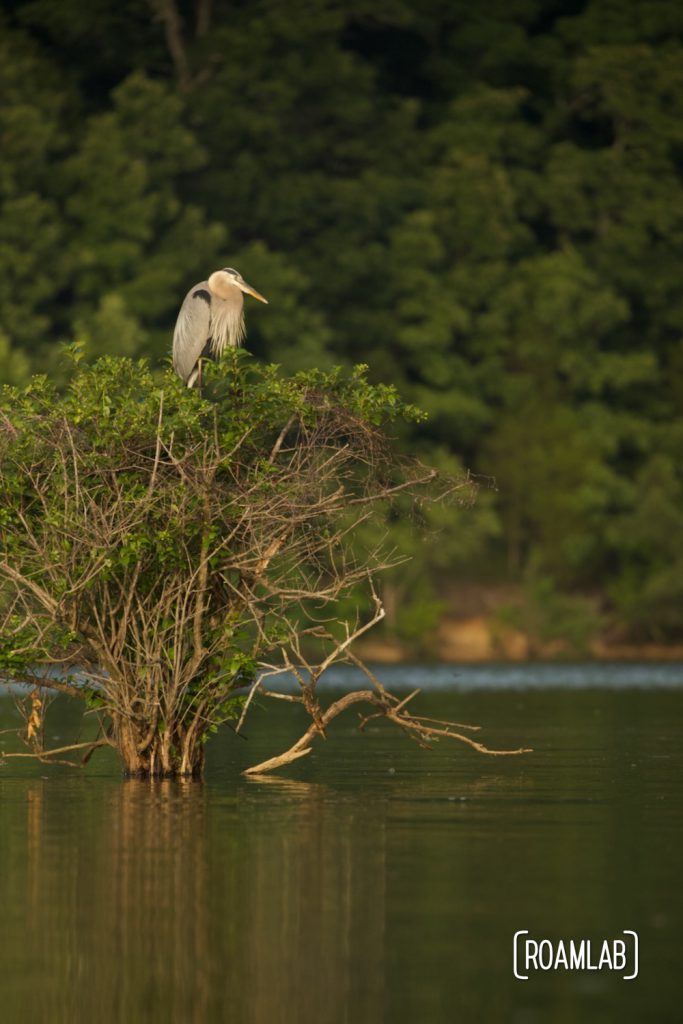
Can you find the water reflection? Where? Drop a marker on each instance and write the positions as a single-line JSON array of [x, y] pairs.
[[378, 882], [312, 884], [163, 907], [115, 898]]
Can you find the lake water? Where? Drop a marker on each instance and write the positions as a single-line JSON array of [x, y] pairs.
[[373, 881]]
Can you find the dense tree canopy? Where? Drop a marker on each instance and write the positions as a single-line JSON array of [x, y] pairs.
[[483, 203]]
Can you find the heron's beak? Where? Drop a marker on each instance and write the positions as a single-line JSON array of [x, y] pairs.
[[252, 291]]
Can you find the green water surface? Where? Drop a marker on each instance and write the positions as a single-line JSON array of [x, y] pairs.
[[372, 882]]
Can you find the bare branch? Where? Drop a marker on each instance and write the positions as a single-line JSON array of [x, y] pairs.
[[45, 754], [43, 597], [412, 725]]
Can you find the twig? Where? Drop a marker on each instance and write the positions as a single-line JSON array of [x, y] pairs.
[[157, 451], [402, 704], [40, 755]]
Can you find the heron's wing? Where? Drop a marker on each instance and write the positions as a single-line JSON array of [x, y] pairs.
[[192, 329]]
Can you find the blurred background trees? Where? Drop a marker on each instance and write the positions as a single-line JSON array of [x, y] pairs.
[[483, 203]]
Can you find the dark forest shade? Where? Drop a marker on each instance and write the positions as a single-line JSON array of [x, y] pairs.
[[482, 203]]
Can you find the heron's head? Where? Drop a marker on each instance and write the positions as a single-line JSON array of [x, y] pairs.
[[221, 281]]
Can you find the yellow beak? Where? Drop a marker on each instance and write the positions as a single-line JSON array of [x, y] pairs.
[[252, 291]]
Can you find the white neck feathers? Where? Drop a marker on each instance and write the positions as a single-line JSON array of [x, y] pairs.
[[227, 317]]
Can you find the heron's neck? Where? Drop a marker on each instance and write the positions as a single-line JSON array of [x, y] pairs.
[[227, 324]]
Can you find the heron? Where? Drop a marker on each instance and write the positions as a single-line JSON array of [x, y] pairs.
[[211, 318]]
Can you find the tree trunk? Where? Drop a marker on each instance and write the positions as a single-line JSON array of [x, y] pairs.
[[166, 754]]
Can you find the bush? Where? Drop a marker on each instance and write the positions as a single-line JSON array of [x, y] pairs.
[[160, 550]]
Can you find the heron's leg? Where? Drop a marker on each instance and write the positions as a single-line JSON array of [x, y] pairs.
[[199, 374]]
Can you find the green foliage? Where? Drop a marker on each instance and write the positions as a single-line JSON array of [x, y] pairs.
[[481, 204], [165, 545]]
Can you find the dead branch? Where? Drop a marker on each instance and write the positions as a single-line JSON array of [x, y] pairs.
[[48, 684], [394, 713], [44, 755]]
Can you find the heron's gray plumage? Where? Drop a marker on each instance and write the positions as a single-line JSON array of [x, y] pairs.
[[211, 319]]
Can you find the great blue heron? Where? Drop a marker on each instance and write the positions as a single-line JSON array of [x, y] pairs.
[[210, 318]]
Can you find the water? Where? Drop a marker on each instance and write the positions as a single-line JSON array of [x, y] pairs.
[[373, 882]]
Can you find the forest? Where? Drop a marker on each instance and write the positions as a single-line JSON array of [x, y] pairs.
[[482, 203]]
